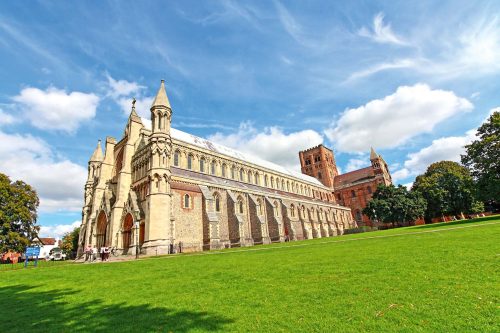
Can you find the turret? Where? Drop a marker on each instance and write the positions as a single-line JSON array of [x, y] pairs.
[[158, 227], [161, 113], [380, 166], [95, 163], [374, 158]]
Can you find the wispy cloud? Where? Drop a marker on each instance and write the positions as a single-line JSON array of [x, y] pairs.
[[402, 63], [202, 125], [229, 11], [381, 33]]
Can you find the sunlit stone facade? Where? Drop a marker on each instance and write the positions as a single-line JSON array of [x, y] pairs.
[[161, 188]]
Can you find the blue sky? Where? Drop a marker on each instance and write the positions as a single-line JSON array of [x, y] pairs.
[[414, 79]]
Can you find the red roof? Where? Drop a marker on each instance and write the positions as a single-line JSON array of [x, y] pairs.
[[353, 176], [47, 241]]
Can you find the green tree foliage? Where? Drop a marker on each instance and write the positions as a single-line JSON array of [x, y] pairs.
[[70, 241], [18, 205], [391, 204], [482, 158], [448, 189]]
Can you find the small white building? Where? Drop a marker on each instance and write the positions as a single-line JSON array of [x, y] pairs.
[[46, 244]]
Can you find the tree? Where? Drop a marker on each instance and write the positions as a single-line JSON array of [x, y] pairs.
[[70, 241], [448, 189], [482, 158], [392, 204], [18, 205]]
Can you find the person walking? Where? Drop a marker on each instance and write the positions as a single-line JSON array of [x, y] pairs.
[[106, 253], [88, 253], [101, 252]]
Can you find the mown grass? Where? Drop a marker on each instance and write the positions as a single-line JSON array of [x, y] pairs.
[[437, 278]]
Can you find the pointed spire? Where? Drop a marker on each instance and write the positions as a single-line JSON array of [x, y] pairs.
[[97, 155], [133, 114], [161, 98], [373, 154]]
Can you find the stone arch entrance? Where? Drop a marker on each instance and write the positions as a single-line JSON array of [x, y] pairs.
[[101, 230], [128, 223]]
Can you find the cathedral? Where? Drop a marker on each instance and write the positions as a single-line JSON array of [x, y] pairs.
[[161, 188]]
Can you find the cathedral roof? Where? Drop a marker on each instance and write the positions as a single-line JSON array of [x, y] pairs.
[[354, 176], [161, 98], [244, 157]]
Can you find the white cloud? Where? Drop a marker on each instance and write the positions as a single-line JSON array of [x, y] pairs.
[[382, 33], [357, 163], [271, 144], [55, 109], [6, 119], [58, 182], [120, 88], [123, 91], [443, 149], [393, 120], [58, 231]]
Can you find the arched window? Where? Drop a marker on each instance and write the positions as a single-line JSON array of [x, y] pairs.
[[276, 210], [159, 121], [233, 172], [212, 168], [282, 185], [272, 182], [288, 186], [265, 180], [277, 183], [301, 189], [353, 193], [187, 201], [176, 158], [223, 170], [240, 205], [242, 175], [217, 202], [303, 212], [190, 162], [292, 210], [256, 176], [369, 190], [319, 174], [249, 176], [202, 164]]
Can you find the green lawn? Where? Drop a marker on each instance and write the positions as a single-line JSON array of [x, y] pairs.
[[433, 278]]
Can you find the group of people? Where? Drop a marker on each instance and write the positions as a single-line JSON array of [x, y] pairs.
[[91, 253]]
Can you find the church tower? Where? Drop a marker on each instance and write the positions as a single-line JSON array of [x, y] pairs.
[[159, 225], [380, 167], [319, 162]]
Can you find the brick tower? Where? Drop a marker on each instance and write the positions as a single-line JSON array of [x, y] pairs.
[[319, 162]]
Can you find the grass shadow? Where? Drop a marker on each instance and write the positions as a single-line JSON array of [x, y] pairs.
[[24, 309], [444, 224]]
